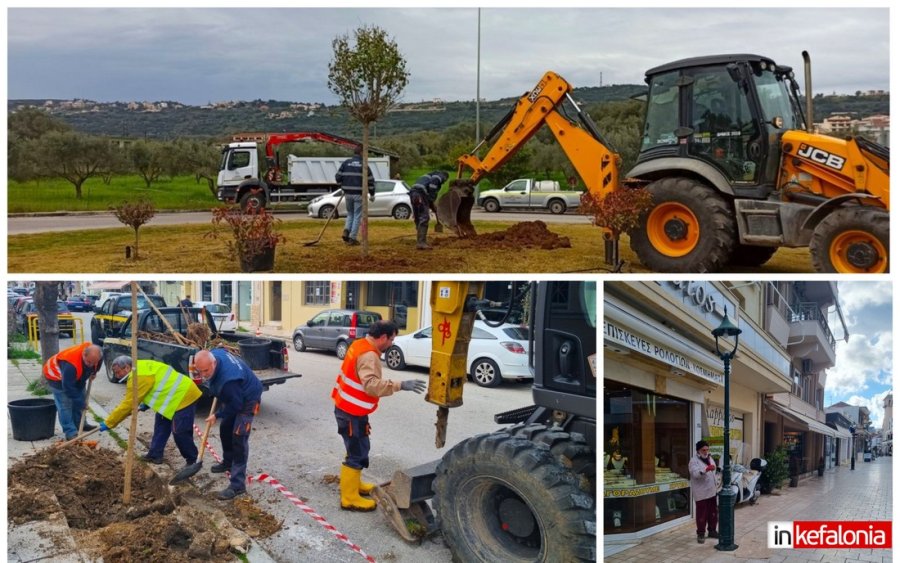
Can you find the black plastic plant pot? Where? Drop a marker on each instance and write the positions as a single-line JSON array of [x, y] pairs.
[[255, 351], [32, 419]]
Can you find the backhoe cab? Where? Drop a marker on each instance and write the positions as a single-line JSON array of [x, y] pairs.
[[732, 167]]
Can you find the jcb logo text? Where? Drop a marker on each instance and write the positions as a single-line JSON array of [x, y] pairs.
[[822, 157]]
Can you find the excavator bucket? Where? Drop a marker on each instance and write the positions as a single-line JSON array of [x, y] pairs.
[[454, 208]]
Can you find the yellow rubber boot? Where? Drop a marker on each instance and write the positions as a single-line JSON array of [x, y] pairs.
[[364, 487], [350, 499]]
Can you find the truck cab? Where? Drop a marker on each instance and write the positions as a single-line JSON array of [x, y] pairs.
[[240, 161]]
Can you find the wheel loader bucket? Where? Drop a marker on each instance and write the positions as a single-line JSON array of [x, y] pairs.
[[454, 208]]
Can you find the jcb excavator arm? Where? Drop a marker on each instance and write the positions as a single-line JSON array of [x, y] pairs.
[[595, 161]]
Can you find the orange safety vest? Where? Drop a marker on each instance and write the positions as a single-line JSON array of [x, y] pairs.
[[348, 393], [73, 355]]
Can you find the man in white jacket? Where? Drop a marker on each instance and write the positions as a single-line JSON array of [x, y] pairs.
[[703, 484]]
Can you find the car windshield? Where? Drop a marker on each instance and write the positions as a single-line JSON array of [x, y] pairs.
[[364, 319]]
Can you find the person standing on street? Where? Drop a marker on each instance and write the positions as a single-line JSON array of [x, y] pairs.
[[703, 485], [67, 374], [349, 176], [239, 391], [172, 395], [422, 196], [356, 393]]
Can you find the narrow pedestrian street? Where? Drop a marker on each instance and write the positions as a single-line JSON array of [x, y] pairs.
[[841, 494]]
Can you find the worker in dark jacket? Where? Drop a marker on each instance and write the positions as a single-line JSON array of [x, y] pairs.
[[238, 390], [422, 196], [349, 176], [67, 374]]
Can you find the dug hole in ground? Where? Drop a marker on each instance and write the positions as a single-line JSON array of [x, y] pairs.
[[75, 494]]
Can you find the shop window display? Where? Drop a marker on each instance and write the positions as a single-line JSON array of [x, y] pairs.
[[645, 459]]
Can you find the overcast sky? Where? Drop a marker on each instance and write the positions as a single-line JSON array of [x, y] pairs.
[[863, 372], [199, 55]]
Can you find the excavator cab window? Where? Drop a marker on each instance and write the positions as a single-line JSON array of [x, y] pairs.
[[722, 123], [662, 112]]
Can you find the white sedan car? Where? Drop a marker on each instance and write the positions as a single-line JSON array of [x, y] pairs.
[[391, 200], [494, 353], [222, 315]]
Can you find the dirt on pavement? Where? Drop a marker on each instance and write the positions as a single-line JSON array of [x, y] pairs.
[[159, 524]]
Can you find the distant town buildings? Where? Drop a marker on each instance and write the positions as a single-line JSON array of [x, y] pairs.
[[876, 127]]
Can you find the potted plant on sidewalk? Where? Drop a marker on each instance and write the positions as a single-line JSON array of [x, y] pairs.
[[776, 470], [821, 468], [254, 236]]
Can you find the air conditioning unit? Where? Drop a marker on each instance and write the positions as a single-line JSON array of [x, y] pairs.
[[806, 365]]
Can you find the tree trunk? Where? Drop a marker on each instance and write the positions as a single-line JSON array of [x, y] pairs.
[[45, 295], [136, 240], [364, 224], [78, 184]]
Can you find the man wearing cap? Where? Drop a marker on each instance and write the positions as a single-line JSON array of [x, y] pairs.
[[67, 373], [422, 196], [171, 395], [238, 390]]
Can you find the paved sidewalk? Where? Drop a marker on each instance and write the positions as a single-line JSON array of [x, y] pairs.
[[841, 494]]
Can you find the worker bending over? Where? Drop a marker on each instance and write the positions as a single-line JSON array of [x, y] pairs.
[[67, 374], [422, 196]]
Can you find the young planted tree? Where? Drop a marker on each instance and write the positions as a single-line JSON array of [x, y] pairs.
[[368, 76], [135, 214]]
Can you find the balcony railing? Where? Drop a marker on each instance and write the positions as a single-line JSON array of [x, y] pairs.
[[801, 312]]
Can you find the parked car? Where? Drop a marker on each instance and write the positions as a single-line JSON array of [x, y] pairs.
[[391, 200], [334, 329], [29, 310], [79, 303], [222, 315], [495, 354]]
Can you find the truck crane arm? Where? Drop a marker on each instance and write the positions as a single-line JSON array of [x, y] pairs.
[[594, 159]]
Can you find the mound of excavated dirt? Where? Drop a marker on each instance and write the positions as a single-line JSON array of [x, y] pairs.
[[529, 234], [86, 485]]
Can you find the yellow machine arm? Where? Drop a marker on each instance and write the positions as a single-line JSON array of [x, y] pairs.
[[452, 318], [595, 161]]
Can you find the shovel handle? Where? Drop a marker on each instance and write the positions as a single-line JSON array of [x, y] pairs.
[[212, 410], [68, 443], [87, 400]]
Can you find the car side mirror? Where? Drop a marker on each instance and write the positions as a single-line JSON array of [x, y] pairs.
[[96, 308], [309, 322]]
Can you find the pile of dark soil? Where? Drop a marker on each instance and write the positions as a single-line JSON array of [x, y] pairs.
[[528, 234], [86, 485]]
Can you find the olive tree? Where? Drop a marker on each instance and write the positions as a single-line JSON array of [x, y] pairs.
[[368, 74], [74, 157]]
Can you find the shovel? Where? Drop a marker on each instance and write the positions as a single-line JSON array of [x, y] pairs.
[[333, 214], [78, 438], [192, 469], [87, 399]]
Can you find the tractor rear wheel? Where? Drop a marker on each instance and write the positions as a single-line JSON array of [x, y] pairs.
[[501, 497], [689, 229], [852, 240]]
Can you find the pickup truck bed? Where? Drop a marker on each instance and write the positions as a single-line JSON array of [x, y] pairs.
[[179, 356]]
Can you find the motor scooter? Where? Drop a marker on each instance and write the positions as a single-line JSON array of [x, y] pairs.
[[745, 482]]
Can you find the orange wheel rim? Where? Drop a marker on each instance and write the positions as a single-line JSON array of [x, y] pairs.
[[858, 252], [673, 229]]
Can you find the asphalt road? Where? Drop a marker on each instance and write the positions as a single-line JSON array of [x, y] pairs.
[[295, 441], [30, 224]]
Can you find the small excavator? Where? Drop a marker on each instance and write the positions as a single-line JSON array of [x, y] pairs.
[[731, 161]]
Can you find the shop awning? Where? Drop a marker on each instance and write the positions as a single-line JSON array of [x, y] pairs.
[[810, 423], [842, 433]]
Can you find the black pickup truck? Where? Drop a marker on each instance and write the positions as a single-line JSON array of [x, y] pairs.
[[179, 357]]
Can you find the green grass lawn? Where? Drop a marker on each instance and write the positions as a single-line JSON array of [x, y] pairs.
[[185, 249], [181, 192]]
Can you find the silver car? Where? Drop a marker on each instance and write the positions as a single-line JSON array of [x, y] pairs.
[[391, 200]]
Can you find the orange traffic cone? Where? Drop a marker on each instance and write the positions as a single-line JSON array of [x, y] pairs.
[[258, 333]]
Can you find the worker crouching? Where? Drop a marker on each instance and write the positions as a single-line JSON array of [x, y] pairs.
[[356, 392], [422, 196]]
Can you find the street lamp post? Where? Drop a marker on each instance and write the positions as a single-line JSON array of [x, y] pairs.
[[725, 332], [852, 447]]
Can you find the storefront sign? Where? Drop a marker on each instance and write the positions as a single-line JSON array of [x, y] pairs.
[[698, 293], [715, 420], [641, 490], [640, 344]]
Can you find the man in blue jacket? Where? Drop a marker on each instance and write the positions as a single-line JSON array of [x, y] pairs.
[[422, 195], [349, 176], [238, 390]]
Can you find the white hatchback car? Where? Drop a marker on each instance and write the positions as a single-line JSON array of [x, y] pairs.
[[222, 315], [391, 200], [494, 353]]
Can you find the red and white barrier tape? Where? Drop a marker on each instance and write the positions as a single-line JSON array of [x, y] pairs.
[[264, 478]]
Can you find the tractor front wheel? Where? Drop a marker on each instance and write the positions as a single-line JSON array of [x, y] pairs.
[[852, 240]]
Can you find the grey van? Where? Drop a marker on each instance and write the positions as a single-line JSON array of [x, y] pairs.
[[334, 329]]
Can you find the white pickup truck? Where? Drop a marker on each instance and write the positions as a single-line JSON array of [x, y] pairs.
[[526, 193]]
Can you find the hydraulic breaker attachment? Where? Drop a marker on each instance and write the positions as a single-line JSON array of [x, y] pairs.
[[454, 208]]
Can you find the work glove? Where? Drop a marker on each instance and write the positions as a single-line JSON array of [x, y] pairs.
[[413, 385], [142, 407], [103, 427]]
